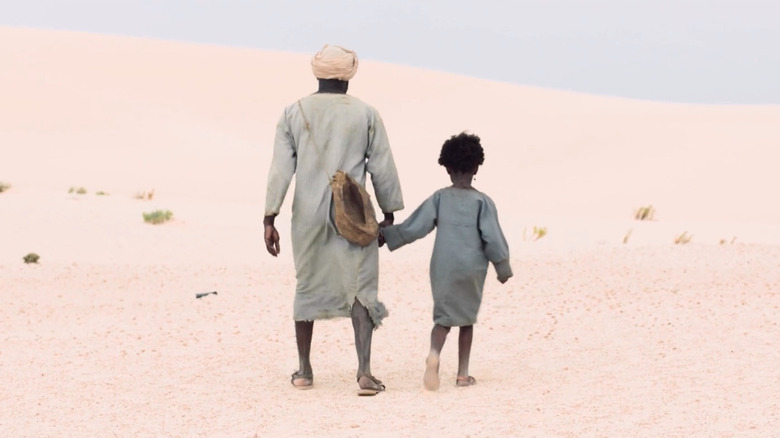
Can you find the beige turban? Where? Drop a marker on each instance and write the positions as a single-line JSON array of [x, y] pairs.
[[334, 62]]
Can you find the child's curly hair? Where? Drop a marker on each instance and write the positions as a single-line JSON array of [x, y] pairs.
[[462, 153]]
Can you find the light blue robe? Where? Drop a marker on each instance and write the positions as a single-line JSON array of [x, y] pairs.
[[468, 236], [350, 136]]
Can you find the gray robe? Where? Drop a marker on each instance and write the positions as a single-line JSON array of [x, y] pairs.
[[345, 134], [468, 236]]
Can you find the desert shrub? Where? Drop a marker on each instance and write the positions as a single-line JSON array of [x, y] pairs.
[[4, 186], [725, 241], [683, 238], [77, 190], [644, 213], [157, 216], [31, 258], [628, 234], [101, 193], [539, 232]]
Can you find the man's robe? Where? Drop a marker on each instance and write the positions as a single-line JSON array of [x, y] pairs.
[[346, 134]]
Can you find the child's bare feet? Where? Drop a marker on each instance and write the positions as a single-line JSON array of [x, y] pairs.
[[431, 377], [465, 381]]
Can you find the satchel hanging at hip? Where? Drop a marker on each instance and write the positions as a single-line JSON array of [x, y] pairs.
[[354, 215]]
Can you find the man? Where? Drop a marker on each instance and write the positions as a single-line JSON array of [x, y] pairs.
[[316, 136]]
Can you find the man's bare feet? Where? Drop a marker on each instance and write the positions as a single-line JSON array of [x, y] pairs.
[[431, 377]]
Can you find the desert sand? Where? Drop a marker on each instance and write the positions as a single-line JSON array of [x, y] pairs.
[[609, 328]]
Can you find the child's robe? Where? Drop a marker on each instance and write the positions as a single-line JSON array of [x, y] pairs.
[[468, 236]]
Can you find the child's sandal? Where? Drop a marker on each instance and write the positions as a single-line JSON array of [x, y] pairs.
[[465, 381]]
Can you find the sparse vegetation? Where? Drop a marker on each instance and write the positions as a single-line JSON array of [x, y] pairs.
[[4, 186], [683, 238], [644, 213], [31, 258], [78, 190], [628, 234], [101, 193], [157, 216], [536, 234], [725, 241], [148, 196], [539, 232]]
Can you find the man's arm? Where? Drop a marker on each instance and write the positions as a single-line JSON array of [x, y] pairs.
[[280, 175], [389, 219], [381, 166]]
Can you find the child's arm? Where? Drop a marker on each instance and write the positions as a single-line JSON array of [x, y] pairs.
[[495, 245], [421, 222]]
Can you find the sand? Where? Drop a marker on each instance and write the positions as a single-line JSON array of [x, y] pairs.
[[608, 328]]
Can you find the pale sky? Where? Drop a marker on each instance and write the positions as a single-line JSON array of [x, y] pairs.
[[704, 51]]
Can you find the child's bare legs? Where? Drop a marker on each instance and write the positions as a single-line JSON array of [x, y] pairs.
[[465, 336], [431, 377]]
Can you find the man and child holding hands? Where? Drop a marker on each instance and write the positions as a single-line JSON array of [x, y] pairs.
[[331, 130]]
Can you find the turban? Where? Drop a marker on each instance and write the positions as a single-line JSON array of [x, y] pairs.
[[334, 62]]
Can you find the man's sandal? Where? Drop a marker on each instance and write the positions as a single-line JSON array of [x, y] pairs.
[[374, 387]]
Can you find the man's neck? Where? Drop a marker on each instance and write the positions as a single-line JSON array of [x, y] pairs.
[[333, 86]]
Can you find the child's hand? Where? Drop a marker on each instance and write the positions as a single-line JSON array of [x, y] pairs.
[[381, 239], [503, 271]]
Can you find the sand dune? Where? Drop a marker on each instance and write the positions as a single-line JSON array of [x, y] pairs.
[[608, 328]]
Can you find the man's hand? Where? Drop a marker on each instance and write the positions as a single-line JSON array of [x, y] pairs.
[[389, 219], [271, 236]]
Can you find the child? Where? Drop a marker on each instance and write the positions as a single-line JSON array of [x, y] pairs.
[[468, 236]]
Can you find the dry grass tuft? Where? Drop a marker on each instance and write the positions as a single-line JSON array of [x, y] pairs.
[[78, 190], [644, 213], [145, 195], [539, 232], [683, 238]]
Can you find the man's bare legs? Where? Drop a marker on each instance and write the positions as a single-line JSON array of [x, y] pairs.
[[465, 336], [364, 330], [304, 377], [431, 377]]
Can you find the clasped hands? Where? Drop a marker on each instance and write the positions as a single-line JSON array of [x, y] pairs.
[[271, 235], [389, 219]]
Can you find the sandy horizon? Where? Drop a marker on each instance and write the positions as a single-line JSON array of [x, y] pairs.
[[608, 328]]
